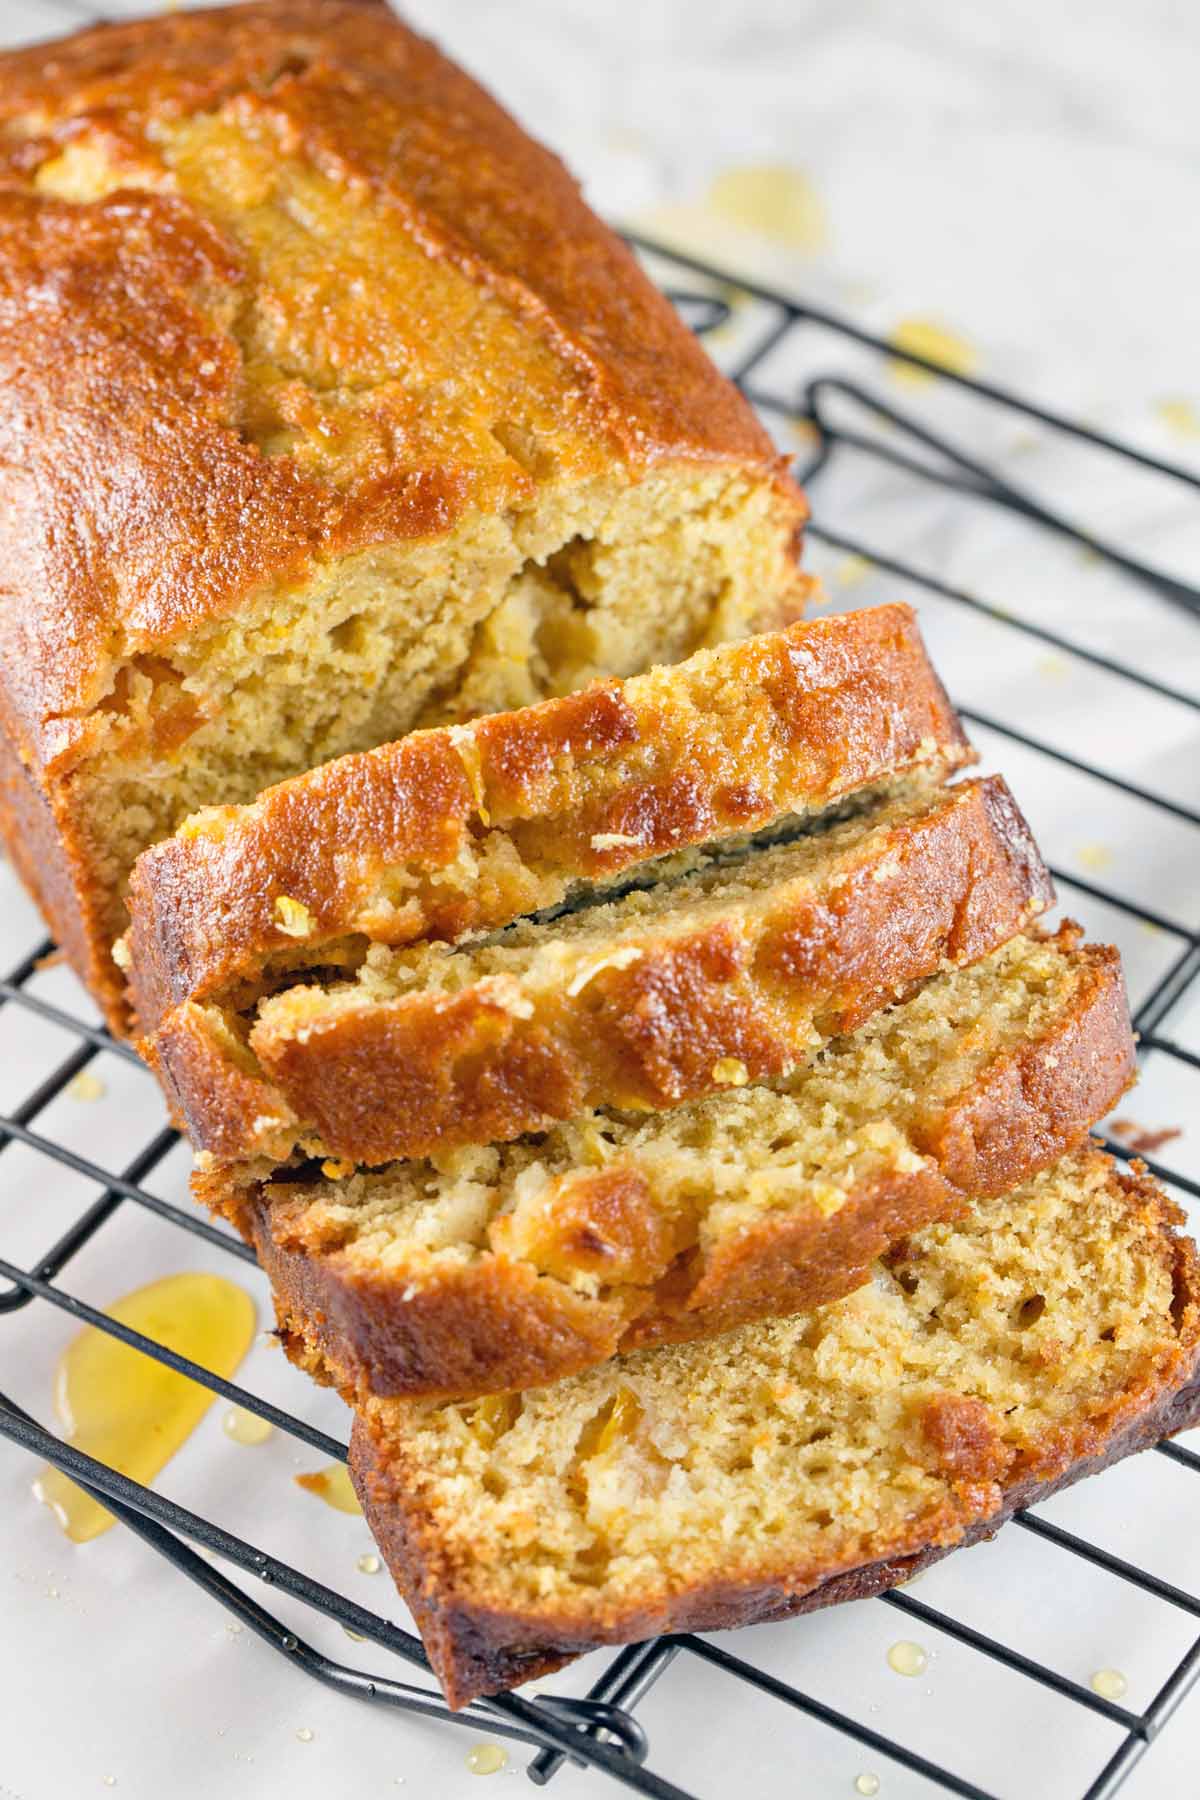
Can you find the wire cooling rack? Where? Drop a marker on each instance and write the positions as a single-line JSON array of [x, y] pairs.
[[840, 417]]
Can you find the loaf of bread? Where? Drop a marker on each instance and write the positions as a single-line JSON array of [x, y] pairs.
[[514, 1265], [792, 1464], [460, 830], [326, 408], [735, 972], [674, 1046]]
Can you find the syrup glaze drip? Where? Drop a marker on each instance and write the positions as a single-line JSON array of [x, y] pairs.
[[125, 1408]]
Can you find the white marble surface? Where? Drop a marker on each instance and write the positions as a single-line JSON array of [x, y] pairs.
[[1026, 176]]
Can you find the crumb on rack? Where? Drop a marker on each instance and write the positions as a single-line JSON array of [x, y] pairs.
[[1145, 1140]]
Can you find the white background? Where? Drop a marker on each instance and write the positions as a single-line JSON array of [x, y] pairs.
[[1025, 175]]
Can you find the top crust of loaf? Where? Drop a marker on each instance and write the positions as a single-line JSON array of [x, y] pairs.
[[463, 829], [142, 510]]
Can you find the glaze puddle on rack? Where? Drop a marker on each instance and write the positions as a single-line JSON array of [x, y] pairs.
[[130, 1409]]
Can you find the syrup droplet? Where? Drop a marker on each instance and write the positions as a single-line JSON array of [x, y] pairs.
[[924, 337], [1180, 416], [368, 1565], [777, 202], [907, 1658], [332, 1485], [866, 1784], [1110, 1684], [246, 1427], [486, 1759], [851, 570], [305, 1734], [356, 1637], [129, 1410], [85, 1086]]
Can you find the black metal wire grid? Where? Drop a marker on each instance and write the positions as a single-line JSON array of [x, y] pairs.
[[602, 1731]]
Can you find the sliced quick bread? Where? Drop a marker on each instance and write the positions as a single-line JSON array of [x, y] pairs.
[[791, 1464], [732, 973], [466, 828], [514, 1265]]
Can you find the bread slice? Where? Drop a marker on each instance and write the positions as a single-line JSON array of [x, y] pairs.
[[799, 1462], [736, 972], [456, 831], [327, 409], [514, 1265]]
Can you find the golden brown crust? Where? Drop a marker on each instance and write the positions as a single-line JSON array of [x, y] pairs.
[[586, 787], [478, 1649], [743, 995], [46, 853], [497, 1327], [1032, 1104], [346, 83], [497, 1323], [197, 1050]]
